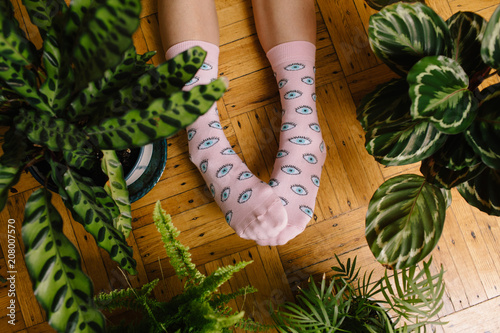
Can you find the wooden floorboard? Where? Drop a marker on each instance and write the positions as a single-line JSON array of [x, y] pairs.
[[250, 115]]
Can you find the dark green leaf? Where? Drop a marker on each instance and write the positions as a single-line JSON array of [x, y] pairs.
[[484, 133], [42, 12], [163, 118], [55, 133], [467, 30], [85, 157], [15, 148], [401, 34], [9, 176], [440, 94], [482, 191], [490, 46], [404, 220], [54, 265], [85, 200], [379, 4], [438, 174]]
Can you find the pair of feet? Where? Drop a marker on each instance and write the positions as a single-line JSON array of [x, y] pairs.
[[274, 213]]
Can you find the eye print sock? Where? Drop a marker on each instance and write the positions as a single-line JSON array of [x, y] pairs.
[[249, 205], [301, 155]]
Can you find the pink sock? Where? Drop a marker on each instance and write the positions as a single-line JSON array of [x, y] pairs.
[[249, 205], [301, 155]]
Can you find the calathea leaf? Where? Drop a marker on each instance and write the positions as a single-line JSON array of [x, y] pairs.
[[116, 187], [164, 80], [9, 176], [107, 35], [379, 4], [163, 118], [456, 153], [387, 105], [42, 12], [440, 94], [59, 83], [490, 46], [89, 205], [401, 34], [54, 133], [482, 191], [15, 148], [467, 31], [405, 220], [53, 263], [439, 175], [403, 143], [484, 133], [84, 157]]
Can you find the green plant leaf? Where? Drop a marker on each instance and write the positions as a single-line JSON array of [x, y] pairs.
[[9, 176], [388, 105], [484, 133], [467, 31], [404, 143], [401, 34], [439, 175], [490, 46], [439, 93], [85, 157], [116, 187], [15, 148], [482, 191], [107, 35], [41, 12], [456, 153], [59, 83], [163, 118], [405, 220], [85, 201], [379, 4], [53, 263], [54, 133]]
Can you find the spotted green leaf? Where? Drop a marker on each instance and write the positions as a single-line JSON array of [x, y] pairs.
[[42, 12], [439, 93], [107, 35], [482, 191], [54, 265], [84, 157], [401, 34], [490, 46], [163, 117], [54, 133], [116, 187], [484, 133], [389, 104], [88, 205], [59, 84], [9, 176], [467, 31], [405, 220]]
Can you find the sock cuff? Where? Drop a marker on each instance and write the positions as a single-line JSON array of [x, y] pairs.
[[211, 49], [292, 51]]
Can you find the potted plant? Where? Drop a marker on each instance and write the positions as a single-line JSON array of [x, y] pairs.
[[437, 114], [82, 96], [197, 309], [348, 303]]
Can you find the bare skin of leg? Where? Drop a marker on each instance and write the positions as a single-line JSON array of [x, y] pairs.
[[281, 21], [183, 20]]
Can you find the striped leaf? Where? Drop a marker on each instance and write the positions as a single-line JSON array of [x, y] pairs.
[[484, 133], [482, 191], [54, 133], [405, 220], [9, 176], [388, 105], [467, 31], [116, 187], [106, 36], [42, 12], [59, 83], [457, 154], [163, 118], [439, 93], [84, 157], [490, 46], [401, 34], [404, 143], [89, 206], [379, 4], [439, 175], [54, 265]]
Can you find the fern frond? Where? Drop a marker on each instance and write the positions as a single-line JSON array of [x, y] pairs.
[[220, 300], [212, 282], [252, 326], [179, 255]]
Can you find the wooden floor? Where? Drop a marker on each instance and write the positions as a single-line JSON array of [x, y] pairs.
[[469, 249]]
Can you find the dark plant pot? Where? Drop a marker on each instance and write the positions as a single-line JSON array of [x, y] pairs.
[[141, 176]]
